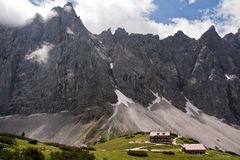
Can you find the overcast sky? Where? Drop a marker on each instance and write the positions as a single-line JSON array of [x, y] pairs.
[[162, 17]]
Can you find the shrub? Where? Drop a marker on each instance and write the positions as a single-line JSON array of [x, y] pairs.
[[102, 140], [186, 140], [65, 148], [69, 148], [26, 154], [72, 155], [32, 141], [13, 136], [193, 140], [137, 153], [7, 135], [7, 140], [54, 144], [8, 155], [174, 135], [130, 136], [90, 148], [216, 148], [1, 146], [105, 158], [232, 153], [168, 152], [23, 134], [140, 132], [32, 154]]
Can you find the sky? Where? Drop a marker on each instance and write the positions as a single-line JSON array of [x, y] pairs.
[[162, 17], [192, 10]]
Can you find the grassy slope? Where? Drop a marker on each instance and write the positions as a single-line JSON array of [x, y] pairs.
[[183, 140], [123, 143], [120, 155], [45, 149], [23, 144], [115, 150]]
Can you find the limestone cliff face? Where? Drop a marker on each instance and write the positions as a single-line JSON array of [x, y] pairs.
[[205, 71], [53, 65], [56, 64]]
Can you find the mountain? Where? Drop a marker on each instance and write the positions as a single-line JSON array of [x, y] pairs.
[[60, 82]]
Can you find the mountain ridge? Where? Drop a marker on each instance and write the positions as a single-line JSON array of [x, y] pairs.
[[65, 27], [56, 65]]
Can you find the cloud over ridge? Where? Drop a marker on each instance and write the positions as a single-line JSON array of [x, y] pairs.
[[133, 15]]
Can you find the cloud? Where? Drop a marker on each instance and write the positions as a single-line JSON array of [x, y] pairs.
[[192, 1], [189, 1], [228, 12], [50, 15], [40, 55], [17, 13], [133, 15]]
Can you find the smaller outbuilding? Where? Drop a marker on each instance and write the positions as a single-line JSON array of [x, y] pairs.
[[194, 148], [160, 137]]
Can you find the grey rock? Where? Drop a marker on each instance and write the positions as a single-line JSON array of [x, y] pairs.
[[76, 74]]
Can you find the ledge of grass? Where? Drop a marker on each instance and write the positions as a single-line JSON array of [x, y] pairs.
[[183, 140], [123, 142]]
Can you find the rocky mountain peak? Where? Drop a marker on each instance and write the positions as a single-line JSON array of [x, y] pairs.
[[120, 32], [61, 21], [68, 7], [37, 19], [238, 34], [57, 9], [229, 37], [211, 33], [68, 4], [211, 38], [212, 28], [107, 32], [38, 16], [181, 35]]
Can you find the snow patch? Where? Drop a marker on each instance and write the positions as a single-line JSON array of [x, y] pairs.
[[122, 99], [40, 55], [191, 109], [115, 112], [151, 61], [6, 117], [36, 115], [111, 65], [222, 120], [157, 100], [230, 76], [211, 77], [69, 31], [64, 111], [100, 53], [167, 101]]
